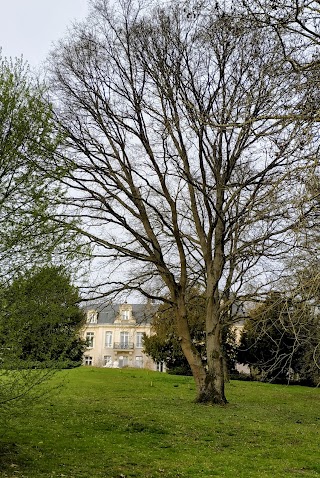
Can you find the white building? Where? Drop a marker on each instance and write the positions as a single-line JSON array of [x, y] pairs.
[[114, 334]]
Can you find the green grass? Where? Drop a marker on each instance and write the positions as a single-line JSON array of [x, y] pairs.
[[106, 423]]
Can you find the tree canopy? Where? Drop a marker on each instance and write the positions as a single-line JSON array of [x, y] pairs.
[[297, 25], [281, 339], [28, 194], [188, 151], [40, 320]]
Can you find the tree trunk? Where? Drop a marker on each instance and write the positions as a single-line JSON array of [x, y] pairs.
[[215, 358], [209, 382], [215, 372]]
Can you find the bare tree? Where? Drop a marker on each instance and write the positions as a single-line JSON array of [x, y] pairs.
[[187, 167], [296, 24]]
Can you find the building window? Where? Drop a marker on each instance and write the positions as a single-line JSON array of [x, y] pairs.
[[123, 361], [89, 339], [139, 362], [92, 317], [108, 339], [107, 361], [124, 340], [87, 360], [125, 315], [139, 340]]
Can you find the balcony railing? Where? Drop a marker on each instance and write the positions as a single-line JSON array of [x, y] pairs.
[[123, 345]]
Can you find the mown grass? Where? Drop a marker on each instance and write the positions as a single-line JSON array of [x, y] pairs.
[[134, 423]]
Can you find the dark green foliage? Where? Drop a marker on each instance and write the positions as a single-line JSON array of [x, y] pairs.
[[280, 340], [167, 350], [40, 320], [229, 349], [165, 345]]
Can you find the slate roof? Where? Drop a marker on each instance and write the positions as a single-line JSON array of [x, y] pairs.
[[107, 313], [143, 313]]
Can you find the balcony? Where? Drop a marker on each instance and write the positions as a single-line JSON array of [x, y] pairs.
[[123, 345]]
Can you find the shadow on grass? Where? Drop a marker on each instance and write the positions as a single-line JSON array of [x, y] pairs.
[[9, 455]]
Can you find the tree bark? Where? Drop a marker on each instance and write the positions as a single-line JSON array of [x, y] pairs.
[[215, 372], [209, 380]]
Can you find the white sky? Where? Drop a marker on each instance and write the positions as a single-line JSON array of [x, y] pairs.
[[30, 27]]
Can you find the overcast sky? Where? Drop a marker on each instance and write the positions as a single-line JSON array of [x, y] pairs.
[[30, 27]]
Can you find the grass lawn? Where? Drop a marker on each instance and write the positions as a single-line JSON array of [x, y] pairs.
[[106, 423]]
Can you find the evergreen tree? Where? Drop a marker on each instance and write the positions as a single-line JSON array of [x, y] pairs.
[[40, 320], [280, 339], [165, 344]]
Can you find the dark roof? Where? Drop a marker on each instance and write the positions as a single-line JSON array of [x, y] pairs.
[[107, 313]]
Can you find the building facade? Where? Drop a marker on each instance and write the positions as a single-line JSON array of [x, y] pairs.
[[114, 335]]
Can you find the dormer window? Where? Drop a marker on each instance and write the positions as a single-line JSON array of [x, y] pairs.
[[92, 316], [125, 315]]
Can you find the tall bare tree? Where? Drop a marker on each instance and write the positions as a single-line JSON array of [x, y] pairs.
[[186, 166]]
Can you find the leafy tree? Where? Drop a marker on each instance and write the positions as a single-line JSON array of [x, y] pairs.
[[164, 345], [40, 320], [186, 155], [28, 194], [29, 237], [280, 340]]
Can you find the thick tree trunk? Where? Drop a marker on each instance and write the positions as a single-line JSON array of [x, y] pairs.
[[209, 380], [216, 372], [214, 349]]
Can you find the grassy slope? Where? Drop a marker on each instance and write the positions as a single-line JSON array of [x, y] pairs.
[[131, 423]]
